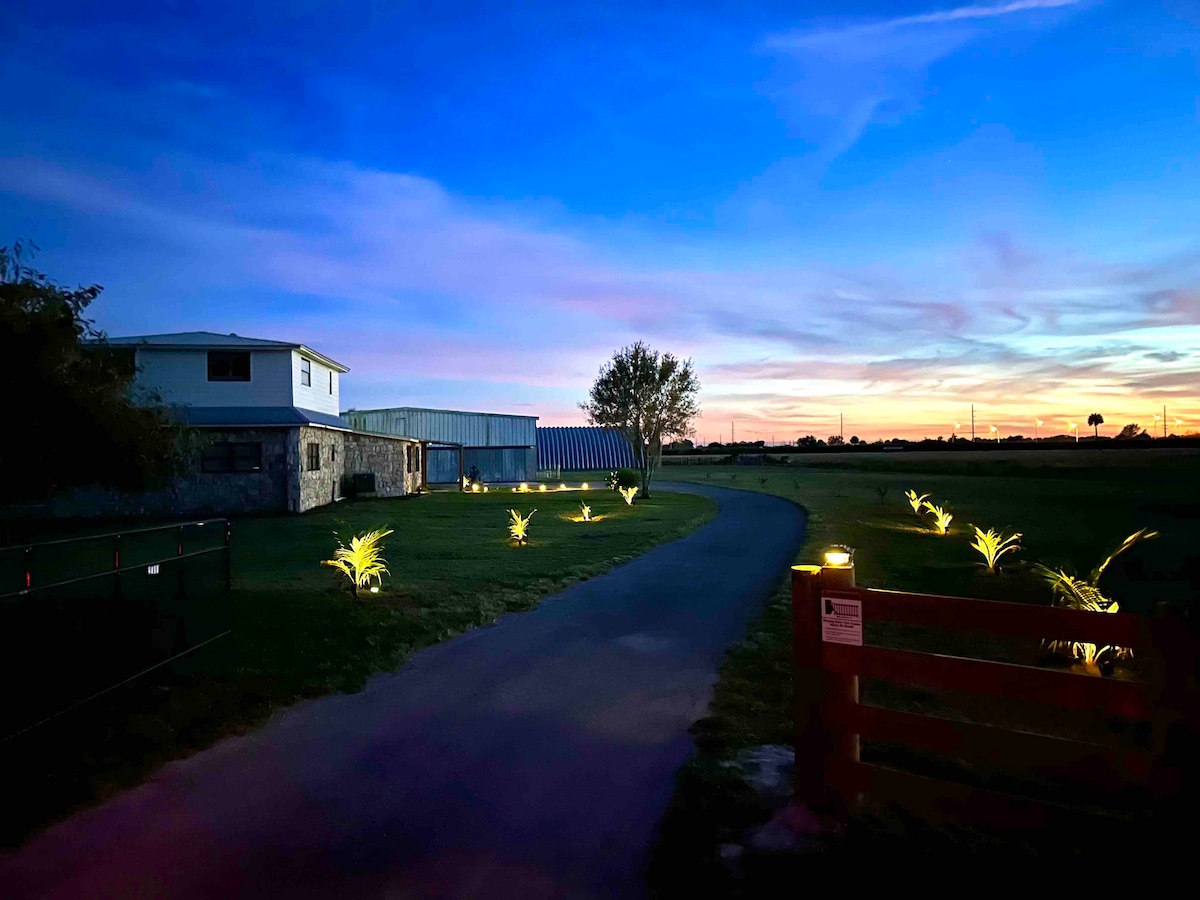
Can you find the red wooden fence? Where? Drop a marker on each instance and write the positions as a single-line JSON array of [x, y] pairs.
[[830, 720]]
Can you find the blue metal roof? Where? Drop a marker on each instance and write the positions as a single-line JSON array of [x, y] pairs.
[[256, 417], [583, 448]]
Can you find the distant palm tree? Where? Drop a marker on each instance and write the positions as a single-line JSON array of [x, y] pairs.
[[1096, 420]]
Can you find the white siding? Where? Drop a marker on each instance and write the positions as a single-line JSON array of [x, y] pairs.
[[182, 377], [315, 396]]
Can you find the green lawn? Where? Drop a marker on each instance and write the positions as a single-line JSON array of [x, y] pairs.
[[1072, 512], [297, 632]]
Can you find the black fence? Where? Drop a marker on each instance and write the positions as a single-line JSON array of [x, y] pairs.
[[83, 615]]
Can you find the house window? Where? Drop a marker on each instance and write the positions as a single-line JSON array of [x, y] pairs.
[[305, 372], [227, 457], [331, 384], [408, 460], [314, 457], [228, 365], [333, 452]]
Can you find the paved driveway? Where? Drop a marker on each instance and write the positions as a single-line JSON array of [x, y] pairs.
[[532, 758]]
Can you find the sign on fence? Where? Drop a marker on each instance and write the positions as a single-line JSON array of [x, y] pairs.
[[841, 621]]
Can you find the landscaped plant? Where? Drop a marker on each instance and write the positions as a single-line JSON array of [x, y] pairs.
[[628, 493], [518, 526], [941, 517], [362, 560], [914, 501], [623, 478], [994, 544], [882, 491], [1073, 592], [585, 511]]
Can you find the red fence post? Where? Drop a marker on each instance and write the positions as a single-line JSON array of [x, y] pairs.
[[811, 732], [842, 690]]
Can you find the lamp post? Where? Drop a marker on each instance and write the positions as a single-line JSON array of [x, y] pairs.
[[1075, 428], [1037, 423], [996, 431]]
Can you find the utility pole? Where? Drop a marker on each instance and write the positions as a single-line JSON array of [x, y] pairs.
[[732, 433], [972, 423], [1164, 420], [842, 426]]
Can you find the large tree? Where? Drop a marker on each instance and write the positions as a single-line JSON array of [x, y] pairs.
[[650, 397], [75, 417]]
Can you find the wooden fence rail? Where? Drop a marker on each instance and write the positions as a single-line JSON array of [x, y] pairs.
[[830, 656]]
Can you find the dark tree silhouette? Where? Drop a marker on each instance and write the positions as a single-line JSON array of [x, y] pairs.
[[76, 419], [650, 397], [1096, 420]]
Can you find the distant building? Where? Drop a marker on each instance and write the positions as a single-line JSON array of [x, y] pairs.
[[500, 448], [583, 448], [272, 437]]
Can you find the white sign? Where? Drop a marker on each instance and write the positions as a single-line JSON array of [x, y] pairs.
[[841, 621]]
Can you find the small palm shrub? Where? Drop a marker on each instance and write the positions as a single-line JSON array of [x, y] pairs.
[[916, 502], [1072, 592], [992, 545], [362, 560], [585, 511], [518, 526], [628, 493], [941, 517]]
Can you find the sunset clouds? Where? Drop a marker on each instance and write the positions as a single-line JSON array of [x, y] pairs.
[[920, 216]]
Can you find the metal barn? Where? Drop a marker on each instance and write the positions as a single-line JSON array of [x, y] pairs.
[[503, 448], [583, 448]]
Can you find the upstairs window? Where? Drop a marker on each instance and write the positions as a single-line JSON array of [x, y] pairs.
[[228, 365], [231, 456], [305, 372], [314, 457]]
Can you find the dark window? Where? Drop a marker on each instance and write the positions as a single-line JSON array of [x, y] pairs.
[[231, 456], [333, 452], [314, 457], [305, 372], [408, 458], [228, 365], [330, 382]]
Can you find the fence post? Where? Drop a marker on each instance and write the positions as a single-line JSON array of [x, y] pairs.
[[811, 732], [844, 745]]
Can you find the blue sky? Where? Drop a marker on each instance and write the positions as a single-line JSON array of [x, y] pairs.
[[890, 210]]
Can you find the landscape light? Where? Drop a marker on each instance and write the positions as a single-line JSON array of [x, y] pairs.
[[475, 488], [584, 486], [524, 487], [485, 488], [541, 487], [374, 589], [562, 487], [839, 556]]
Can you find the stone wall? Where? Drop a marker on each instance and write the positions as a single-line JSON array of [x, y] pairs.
[[196, 492], [311, 488], [388, 458]]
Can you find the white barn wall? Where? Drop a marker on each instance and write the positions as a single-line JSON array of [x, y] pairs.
[[182, 377], [315, 396]]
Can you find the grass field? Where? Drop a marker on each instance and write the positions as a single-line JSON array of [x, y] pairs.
[[297, 632], [1071, 513]]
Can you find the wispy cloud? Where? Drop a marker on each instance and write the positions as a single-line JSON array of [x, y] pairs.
[[860, 73]]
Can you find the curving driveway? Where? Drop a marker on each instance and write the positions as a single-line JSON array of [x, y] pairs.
[[532, 758]]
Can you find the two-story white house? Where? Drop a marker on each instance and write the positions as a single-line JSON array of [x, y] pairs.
[[267, 412]]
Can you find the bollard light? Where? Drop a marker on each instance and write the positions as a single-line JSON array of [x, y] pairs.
[[839, 556]]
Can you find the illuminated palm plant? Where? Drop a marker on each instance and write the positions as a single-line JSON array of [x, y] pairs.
[[914, 501], [628, 493], [586, 512], [362, 560], [993, 545], [518, 526], [1073, 592], [941, 517]]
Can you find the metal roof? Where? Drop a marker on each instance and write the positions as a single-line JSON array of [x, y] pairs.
[[210, 340], [448, 426], [583, 448], [256, 417], [430, 409]]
